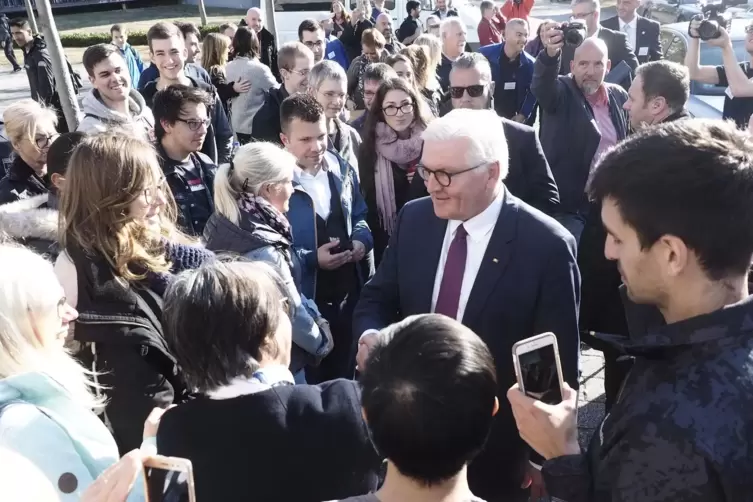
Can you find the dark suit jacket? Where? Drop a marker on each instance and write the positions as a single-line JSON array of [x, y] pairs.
[[617, 46], [647, 35], [528, 284]]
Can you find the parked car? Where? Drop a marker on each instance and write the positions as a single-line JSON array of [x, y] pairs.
[[744, 12], [706, 101], [672, 11]]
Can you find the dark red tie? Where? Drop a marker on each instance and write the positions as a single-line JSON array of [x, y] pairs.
[[452, 278]]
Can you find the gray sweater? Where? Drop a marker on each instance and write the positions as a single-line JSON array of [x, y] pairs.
[[245, 105]]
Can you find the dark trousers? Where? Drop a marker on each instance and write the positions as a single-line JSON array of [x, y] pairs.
[[244, 138], [8, 48], [341, 362]]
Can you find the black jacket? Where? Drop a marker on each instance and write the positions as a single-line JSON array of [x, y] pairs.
[[266, 126], [681, 429], [568, 135], [295, 443], [351, 37], [268, 51], [21, 182], [647, 37], [218, 143], [39, 70]]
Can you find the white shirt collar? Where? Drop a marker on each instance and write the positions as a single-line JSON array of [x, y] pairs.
[[623, 23], [483, 223], [301, 174]]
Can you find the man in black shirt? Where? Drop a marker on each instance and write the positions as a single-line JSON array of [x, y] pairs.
[[181, 117], [738, 101], [411, 27]]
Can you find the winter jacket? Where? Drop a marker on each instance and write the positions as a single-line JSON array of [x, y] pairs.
[[6, 151], [21, 182], [302, 217], [134, 62], [39, 70], [681, 429], [31, 223], [193, 71], [67, 442], [349, 143], [99, 118], [246, 104], [257, 241], [522, 77], [266, 126], [268, 49], [218, 143]]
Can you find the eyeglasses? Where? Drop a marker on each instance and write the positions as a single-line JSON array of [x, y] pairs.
[[392, 110], [311, 45], [474, 91], [44, 141], [303, 73], [749, 29], [151, 193], [195, 125], [443, 177], [583, 15]]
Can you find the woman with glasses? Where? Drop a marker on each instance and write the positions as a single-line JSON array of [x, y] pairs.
[[251, 197], [120, 249], [246, 67], [30, 127], [215, 51], [390, 150]]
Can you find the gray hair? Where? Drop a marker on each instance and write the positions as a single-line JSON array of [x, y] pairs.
[[594, 3], [326, 70], [448, 23], [474, 60], [483, 131], [517, 20]]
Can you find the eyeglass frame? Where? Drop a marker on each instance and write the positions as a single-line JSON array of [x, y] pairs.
[[47, 140], [466, 89], [581, 17], [160, 186], [194, 124], [421, 168], [398, 108], [749, 29]]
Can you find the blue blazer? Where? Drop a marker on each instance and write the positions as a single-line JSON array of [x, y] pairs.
[[526, 100], [528, 284]]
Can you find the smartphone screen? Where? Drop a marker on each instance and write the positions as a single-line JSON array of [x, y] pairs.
[[164, 485], [538, 370]]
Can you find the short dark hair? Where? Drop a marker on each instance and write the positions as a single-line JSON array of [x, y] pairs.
[[225, 26], [302, 107], [378, 72], [220, 318], [20, 23], [668, 80], [95, 54], [245, 43], [119, 28], [307, 25], [168, 103], [162, 31], [692, 179], [61, 150], [411, 5], [187, 28], [429, 396]]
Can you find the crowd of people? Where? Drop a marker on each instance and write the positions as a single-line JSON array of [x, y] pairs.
[[303, 268]]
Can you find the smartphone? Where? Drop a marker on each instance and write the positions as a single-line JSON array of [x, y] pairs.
[[538, 369], [169, 479]]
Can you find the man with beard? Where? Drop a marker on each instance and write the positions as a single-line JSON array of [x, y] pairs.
[[384, 26], [582, 118], [112, 102], [268, 47]]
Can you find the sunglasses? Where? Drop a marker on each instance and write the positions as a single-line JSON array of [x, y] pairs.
[[474, 91], [749, 29]]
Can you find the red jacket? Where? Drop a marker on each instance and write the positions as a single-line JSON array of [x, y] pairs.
[[521, 11], [491, 32]]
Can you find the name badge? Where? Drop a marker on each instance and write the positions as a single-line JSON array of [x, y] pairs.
[[728, 92], [331, 55], [510, 86], [196, 185], [643, 51]]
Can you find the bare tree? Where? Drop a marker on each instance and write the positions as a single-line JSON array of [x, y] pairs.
[[203, 13]]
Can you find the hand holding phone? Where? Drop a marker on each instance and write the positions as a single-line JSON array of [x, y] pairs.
[[538, 369], [169, 479]]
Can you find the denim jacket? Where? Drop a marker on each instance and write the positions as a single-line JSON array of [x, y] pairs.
[[302, 217]]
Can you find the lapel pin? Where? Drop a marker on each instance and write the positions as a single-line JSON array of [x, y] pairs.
[[495, 260]]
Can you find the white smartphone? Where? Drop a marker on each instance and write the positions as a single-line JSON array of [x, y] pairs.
[[169, 479], [538, 369]]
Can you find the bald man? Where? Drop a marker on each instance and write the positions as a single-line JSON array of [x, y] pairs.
[[255, 20], [582, 117], [384, 26]]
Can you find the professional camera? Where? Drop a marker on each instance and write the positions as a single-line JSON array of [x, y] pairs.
[[712, 19], [573, 32]]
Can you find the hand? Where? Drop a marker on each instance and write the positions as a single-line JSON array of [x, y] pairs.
[[151, 424], [365, 345], [723, 41], [355, 16], [115, 483], [553, 39], [359, 251], [551, 430], [242, 86], [693, 28], [519, 118], [329, 261], [535, 480]]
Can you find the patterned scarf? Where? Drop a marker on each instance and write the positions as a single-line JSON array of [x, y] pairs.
[[258, 209]]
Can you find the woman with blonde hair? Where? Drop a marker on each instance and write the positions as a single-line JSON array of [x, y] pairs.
[[47, 399], [119, 251], [434, 47], [215, 52], [31, 129], [251, 198], [421, 60]]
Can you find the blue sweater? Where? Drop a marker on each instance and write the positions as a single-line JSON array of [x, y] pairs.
[[526, 99]]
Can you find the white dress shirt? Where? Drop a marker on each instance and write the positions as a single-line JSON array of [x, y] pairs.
[[479, 229], [317, 185], [630, 29]]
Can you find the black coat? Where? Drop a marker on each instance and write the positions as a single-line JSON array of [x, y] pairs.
[[21, 182], [295, 443], [647, 38], [266, 126], [617, 46], [268, 51], [39, 71], [351, 37]]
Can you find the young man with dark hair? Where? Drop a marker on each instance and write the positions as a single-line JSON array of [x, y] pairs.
[[295, 61], [311, 34], [448, 372], [7, 42], [182, 116], [677, 204], [659, 93], [169, 56], [192, 36], [411, 27], [119, 35], [112, 102], [151, 72], [331, 237], [373, 76]]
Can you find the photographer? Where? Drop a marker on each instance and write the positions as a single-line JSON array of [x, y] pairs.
[[582, 108], [738, 101]]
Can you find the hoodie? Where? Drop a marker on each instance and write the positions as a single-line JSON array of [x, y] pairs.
[[32, 223], [99, 118]]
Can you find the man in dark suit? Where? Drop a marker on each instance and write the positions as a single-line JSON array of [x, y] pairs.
[[618, 48], [642, 34], [476, 253]]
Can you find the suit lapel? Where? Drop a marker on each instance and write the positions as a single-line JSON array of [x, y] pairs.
[[426, 260], [495, 261]]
